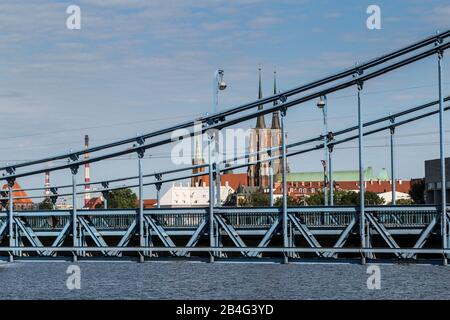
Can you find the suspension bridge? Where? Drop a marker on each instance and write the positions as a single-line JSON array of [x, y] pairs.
[[218, 233]]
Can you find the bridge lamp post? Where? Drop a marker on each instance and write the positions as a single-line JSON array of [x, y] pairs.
[[218, 85], [322, 104]]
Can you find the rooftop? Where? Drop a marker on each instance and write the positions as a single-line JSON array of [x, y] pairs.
[[344, 175]]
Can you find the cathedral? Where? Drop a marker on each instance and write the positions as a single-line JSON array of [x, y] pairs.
[[261, 138]]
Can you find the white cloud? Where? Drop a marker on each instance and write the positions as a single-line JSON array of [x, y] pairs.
[[263, 22], [332, 15], [439, 16]]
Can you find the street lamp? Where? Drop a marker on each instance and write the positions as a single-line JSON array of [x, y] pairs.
[[218, 85], [322, 104]]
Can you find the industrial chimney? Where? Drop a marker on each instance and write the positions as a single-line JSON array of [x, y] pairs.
[[87, 173]]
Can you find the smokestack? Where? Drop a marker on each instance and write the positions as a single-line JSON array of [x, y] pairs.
[[87, 173], [47, 184]]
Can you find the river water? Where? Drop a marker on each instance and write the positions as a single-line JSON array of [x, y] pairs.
[[189, 280]]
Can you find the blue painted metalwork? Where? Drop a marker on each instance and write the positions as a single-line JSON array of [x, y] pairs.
[[330, 171], [211, 195], [183, 232], [362, 218], [393, 192], [444, 217], [326, 150], [285, 199]]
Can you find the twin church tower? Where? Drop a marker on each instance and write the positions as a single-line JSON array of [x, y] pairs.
[[261, 138]]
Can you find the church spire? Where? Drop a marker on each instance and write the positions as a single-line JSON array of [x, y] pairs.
[[275, 115], [260, 122]]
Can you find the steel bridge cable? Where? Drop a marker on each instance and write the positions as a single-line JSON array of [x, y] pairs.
[[290, 146], [290, 154], [125, 123], [220, 115], [228, 123]]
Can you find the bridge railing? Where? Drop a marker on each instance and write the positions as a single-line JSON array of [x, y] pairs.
[[404, 216], [238, 217]]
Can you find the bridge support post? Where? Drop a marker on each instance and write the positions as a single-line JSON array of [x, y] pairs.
[[392, 129], [105, 193], [217, 165], [11, 231], [330, 173], [325, 148], [444, 231], [271, 180], [75, 239], [211, 195], [285, 198], [362, 216], [158, 194], [141, 209]]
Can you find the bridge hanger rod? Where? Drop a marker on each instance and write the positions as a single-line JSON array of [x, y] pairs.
[[295, 144], [290, 154], [220, 115]]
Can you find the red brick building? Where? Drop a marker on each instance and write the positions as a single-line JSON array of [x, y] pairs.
[[24, 203]]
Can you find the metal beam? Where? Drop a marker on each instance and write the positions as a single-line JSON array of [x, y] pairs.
[[285, 197], [125, 240], [234, 236], [29, 234], [309, 237], [3, 225], [393, 191], [162, 235], [342, 238], [60, 238], [93, 233], [267, 237], [382, 231], [196, 236], [444, 230], [423, 237]]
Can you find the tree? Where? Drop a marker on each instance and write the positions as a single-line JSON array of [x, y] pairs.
[[315, 199], [417, 191], [372, 198], [345, 198], [404, 202], [122, 199], [46, 204], [257, 199], [291, 201]]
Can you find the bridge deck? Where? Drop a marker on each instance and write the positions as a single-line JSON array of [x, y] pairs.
[[254, 229]]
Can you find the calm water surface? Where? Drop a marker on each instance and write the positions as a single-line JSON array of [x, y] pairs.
[[187, 280]]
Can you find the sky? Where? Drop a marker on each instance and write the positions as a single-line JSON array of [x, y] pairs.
[[138, 66]]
